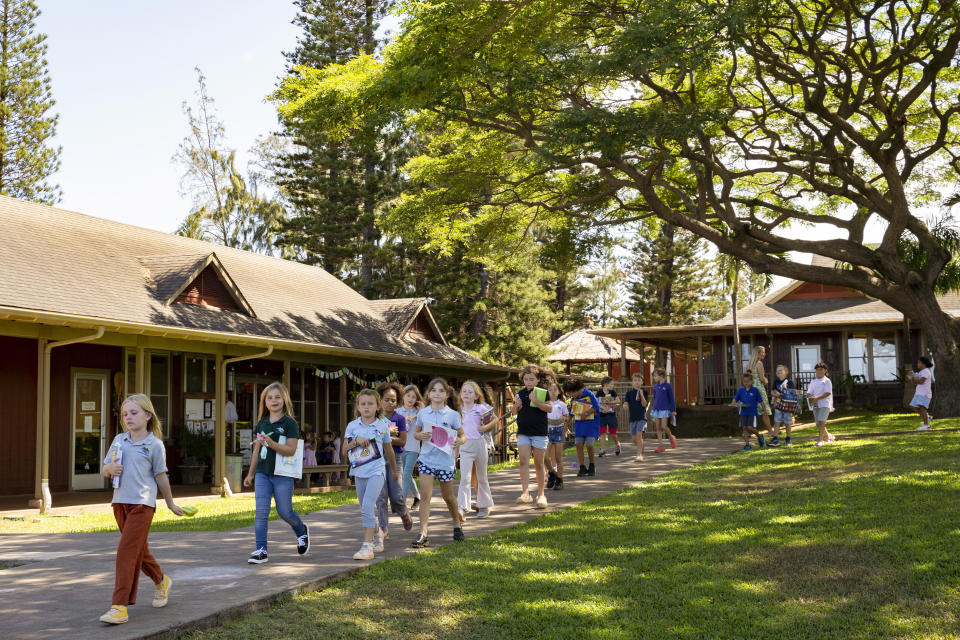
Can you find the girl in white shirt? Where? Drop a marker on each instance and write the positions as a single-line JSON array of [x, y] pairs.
[[820, 393], [556, 436], [920, 403], [477, 419]]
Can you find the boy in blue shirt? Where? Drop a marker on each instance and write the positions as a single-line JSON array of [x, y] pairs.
[[747, 398]]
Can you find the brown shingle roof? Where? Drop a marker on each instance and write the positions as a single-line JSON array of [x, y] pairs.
[[581, 346], [69, 263], [398, 313]]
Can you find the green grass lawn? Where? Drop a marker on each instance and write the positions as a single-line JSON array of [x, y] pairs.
[[855, 540], [220, 514], [872, 422]]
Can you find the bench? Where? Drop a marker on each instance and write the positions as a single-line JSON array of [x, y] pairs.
[[323, 470]]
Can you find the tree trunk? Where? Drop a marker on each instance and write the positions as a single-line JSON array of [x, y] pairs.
[[560, 304], [479, 324], [737, 356], [666, 292], [942, 334]]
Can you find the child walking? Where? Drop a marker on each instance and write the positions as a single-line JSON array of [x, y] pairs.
[[437, 461], [820, 395], [608, 414], [390, 393], [367, 445], [412, 403], [476, 419], [586, 425], [531, 434], [785, 404], [637, 405], [276, 434], [749, 399], [663, 406], [137, 461], [556, 434], [923, 378]]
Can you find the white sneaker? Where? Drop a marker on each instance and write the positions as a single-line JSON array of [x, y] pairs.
[[365, 552], [378, 542], [923, 427]]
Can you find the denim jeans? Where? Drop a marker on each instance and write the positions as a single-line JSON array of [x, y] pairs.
[[280, 488], [368, 493], [409, 460], [392, 491]]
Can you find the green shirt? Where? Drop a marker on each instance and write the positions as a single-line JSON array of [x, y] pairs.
[[285, 426]]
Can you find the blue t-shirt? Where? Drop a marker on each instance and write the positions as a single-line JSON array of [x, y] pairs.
[[638, 410], [750, 398], [587, 428], [378, 430], [429, 454], [401, 422]]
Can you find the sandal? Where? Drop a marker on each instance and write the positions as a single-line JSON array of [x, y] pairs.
[[421, 542]]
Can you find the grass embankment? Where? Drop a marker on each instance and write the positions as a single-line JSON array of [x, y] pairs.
[[854, 540]]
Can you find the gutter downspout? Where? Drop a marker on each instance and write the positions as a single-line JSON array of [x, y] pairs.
[[220, 439], [42, 498]]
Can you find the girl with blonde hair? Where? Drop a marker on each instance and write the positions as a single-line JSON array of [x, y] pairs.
[[760, 378]]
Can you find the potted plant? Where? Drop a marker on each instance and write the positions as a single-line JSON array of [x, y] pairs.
[[196, 449]]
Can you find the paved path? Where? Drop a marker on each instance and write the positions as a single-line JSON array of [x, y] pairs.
[[67, 580]]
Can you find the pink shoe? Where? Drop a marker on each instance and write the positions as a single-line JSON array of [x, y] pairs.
[[831, 438], [673, 442]]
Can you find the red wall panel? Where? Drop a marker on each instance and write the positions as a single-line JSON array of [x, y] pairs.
[[18, 414]]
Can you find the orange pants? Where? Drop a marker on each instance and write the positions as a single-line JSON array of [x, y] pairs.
[[133, 556]]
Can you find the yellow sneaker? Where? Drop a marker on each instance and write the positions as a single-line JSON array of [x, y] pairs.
[[116, 615], [161, 592]]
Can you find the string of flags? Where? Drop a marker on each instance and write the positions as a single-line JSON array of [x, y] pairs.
[[350, 375]]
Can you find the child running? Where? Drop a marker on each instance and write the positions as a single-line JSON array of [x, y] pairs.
[[531, 434], [476, 419], [820, 397], [276, 433], [412, 403], [785, 404], [556, 435], [437, 461], [366, 443], [586, 425], [137, 462], [749, 399], [637, 405], [608, 414], [662, 406], [390, 393], [923, 378]]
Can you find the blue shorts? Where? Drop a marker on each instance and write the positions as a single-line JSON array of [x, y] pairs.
[[920, 401], [660, 413], [587, 440], [537, 442], [782, 417], [555, 434], [440, 474], [748, 421], [638, 426]]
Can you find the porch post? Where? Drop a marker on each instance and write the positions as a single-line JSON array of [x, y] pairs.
[[286, 375], [140, 368], [686, 377], [700, 376], [38, 497], [220, 428], [623, 358], [343, 405]]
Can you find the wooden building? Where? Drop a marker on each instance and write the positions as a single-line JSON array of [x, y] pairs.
[[866, 343], [92, 310]]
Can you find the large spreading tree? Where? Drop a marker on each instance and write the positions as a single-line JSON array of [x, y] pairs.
[[742, 123], [27, 123]]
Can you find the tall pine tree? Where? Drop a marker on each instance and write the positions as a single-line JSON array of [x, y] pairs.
[[337, 189], [671, 280], [26, 124]]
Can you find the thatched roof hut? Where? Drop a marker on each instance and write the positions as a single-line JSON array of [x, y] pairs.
[[580, 346]]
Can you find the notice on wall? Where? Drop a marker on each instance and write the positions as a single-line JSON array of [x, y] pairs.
[[88, 405], [88, 423]]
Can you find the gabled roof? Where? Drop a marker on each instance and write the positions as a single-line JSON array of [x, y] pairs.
[[400, 313], [581, 346], [67, 263], [172, 275]]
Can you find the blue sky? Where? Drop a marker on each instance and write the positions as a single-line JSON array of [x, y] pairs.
[[120, 72]]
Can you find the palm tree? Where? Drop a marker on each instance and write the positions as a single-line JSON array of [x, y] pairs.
[[755, 285]]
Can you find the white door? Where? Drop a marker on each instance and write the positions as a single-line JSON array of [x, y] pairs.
[[90, 415]]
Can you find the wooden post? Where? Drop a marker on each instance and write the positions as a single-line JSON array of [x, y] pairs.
[[686, 377], [140, 375], [286, 377], [343, 405], [623, 359], [220, 428], [38, 497], [700, 373]]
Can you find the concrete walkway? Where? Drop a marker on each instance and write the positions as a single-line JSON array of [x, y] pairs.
[[67, 579]]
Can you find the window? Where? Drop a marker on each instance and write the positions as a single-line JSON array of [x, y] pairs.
[[872, 356], [199, 374], [159, 385], [745, 349]]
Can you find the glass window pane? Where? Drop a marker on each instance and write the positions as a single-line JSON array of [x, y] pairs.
[[211, 375], [159, 371], [160, 404], [309, 416], [131, 373], [194, 376], [295, 386], [884, 369], [309, 385], [884, 346], [857, 355]]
